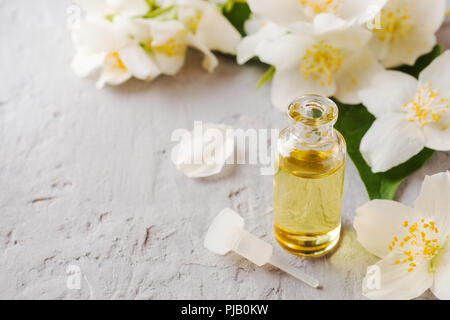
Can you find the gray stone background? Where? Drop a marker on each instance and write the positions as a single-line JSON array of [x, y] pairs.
[[86, 179]]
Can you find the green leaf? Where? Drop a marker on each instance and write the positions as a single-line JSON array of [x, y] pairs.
[[354, 121], [421, 63], [237, 13], [226, 6], [267, 76]]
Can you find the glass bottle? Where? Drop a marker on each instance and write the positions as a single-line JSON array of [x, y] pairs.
[[309, 178]]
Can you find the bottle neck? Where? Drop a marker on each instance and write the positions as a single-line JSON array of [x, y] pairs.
[[315, 135], [312, 119]]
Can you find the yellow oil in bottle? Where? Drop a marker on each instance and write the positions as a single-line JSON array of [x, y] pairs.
[[308, 186]]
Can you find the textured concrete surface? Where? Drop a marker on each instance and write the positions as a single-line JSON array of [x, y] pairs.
[[86, 180]]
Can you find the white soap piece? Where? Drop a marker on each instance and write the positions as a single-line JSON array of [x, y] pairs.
[[204, 151], [227, 233]]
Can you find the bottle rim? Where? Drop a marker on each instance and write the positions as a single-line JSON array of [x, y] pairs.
[[313, 110]]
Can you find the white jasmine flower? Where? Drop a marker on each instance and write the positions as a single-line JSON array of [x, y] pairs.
[[413, 243], [143, 48], [107, 46], [332, 63], [204, 151], [117, 38], [167, 41], [407, 30], [208, 25], [291, 12], [410, 114]]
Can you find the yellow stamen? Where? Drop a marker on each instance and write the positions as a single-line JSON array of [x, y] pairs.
[[193, 21], [419, 241], [172, 47], [395, 22], [321, 62], [112, 60], [427, 106], [321, 6]]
